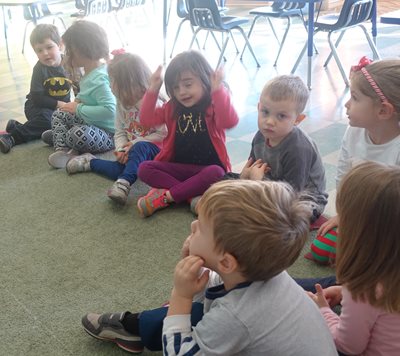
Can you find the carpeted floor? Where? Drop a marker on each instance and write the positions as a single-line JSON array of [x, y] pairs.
[[66, 249]]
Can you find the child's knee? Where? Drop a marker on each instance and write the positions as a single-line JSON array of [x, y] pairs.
[[214, 172], [323, 248]]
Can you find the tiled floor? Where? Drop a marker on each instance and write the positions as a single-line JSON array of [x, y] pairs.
[[326, 118]]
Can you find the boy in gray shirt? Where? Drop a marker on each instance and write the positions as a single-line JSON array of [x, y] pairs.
[[234, 261], [280, 150]]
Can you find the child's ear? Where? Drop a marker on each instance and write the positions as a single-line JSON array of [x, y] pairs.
[[258, 106], [386, 110], [227, 264], [299, 119]]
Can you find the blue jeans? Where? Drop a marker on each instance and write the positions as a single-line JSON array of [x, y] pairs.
[[308, 284], [139, 152], [151, 324]]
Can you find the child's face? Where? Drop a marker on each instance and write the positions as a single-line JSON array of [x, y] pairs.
[[48, 52], [277, 118], [202, 244], [362, 110], [189, 89]]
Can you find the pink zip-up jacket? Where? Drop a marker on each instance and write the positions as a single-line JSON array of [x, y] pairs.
[[220, 115]]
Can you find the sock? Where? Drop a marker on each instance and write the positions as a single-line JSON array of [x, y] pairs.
[[131, 323]]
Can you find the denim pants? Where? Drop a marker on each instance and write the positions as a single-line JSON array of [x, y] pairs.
[[139, 152]]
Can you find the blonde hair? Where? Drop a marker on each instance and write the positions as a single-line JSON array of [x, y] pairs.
[[386, 74], [131, 76], [368, 249], [287, 87], [261, 223]]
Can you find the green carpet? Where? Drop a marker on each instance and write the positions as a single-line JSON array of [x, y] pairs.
[[66, 249]]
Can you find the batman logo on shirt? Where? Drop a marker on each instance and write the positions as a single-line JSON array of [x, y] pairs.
[[57, 86]]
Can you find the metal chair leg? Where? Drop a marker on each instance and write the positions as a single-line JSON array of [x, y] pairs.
[[301, 55], [336, 46], [289, 22], [338, 62], [248, 44], [176, 36], [371, 43], [222, 51], [23, 41]]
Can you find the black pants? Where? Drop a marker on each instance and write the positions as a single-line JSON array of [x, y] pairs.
[[39, 120]]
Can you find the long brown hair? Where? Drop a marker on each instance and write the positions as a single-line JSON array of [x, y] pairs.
[[368, 250]]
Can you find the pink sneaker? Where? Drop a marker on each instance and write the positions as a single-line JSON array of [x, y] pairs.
[[153, 201]]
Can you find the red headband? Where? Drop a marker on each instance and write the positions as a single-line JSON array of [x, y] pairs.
[[117, 52], [364, 61]]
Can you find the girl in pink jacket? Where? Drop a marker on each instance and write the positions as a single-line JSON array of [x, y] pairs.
[[193, 155]]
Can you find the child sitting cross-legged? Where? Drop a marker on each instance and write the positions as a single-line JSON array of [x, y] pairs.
[[280, 150], [231, 294]]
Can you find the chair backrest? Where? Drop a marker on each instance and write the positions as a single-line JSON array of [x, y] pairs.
[[130, 3], [288, 5], [98, 7], [41, 10], [205, 14], [354, 12], [181, 9]]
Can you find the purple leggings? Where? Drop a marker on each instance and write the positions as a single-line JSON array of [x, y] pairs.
[[184, 181]]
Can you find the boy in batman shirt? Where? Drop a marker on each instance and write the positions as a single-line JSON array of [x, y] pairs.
[[50, 89]]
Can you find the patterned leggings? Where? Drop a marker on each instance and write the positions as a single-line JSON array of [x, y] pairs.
[[70, 131]]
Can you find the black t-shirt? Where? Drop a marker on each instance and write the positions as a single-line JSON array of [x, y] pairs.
[[49, 85], [192, 141]]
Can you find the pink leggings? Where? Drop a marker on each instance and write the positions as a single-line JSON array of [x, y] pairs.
[[184, 181]]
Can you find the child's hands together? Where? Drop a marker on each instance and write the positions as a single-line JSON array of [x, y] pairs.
[[216, 78], [254, 170], [156, 79], [328, 297], [122, 156], [187, 278], [70, 107]]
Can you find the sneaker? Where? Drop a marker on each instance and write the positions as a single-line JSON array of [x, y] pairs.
[[119, 191], [108, 327], [6, 142], [47, 137], [60, 158], [11, 124], [79, 164], [153, 201], [193, 204]]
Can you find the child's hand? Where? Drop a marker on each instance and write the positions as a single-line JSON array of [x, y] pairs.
[[328, 297], [156, 79], [245, 174], [258, 170], [187, 278], [123, 154], [328, 225], [185, 247], [70, 107], [216, 78]]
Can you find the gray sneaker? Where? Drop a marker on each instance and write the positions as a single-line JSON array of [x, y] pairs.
[[193, 204], [60, 158], [119, 191], [108, 327], [79, 164], [47, 137]]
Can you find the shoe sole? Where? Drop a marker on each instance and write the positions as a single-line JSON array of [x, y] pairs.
[[3, 148], [118, 342], [143, 212], [118, 199]]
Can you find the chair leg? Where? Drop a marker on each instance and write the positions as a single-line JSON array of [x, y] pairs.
[[250, 32], [336, 46], [305, 26], [370, 42], [273, 30], [217, 43], [234, 42], [289, 22], [248, 44], [62, 22], [194, 37], [222, 51], [338, 62], [23, 41], [176, 37], [301, 55]]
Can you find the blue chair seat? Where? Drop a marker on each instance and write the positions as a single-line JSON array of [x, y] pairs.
[[230, 22], [275, 13]]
